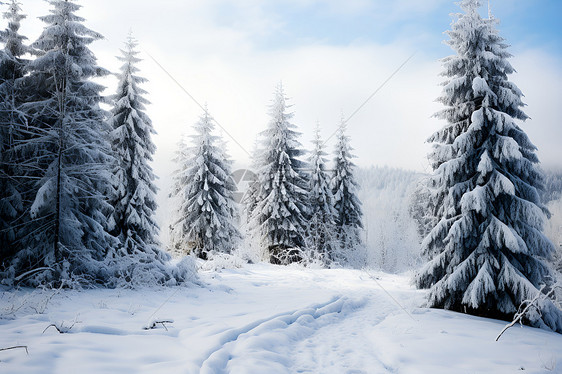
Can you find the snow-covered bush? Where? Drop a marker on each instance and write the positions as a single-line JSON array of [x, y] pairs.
[[218, 261], [131, 271]]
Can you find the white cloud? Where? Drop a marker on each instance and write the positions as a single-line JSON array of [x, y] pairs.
[[539, 76]]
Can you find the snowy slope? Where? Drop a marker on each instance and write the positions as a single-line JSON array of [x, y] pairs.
[[263, 319]]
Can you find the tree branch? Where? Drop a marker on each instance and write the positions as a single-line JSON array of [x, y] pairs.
[[16, 347]]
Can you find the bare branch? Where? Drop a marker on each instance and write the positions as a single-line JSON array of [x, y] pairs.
[[55, 326], [528, 305], [16, 347]]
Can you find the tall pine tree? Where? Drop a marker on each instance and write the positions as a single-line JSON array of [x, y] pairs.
[[207, 213], [344, 189], [321, 230], [487, 250], [282, 204], [134, 200], [12, 125], [249, 199], [67, 236]]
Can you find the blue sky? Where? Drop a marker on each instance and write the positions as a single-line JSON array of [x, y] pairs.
[[528, 23]]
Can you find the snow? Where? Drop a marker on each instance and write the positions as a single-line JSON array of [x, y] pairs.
[[262, 319]]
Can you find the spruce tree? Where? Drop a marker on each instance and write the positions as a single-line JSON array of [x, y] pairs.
[[12, 125], [249, 199], [282, 205], [487, 250], [67, 236], [346, 202], [207, 213], [134, 200], [321, 238], [178, 244]]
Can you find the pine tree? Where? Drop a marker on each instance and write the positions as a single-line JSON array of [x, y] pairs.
[[282, 204], [207, 213], [67, 237], [322, 225], [487, 249], [250, 197], [12, 121], [179, 245], [422, 208], [344, 189], [134, 200]]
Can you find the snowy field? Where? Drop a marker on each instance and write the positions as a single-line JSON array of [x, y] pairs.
[[262, 319]]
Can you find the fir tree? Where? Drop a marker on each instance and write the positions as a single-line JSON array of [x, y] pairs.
[[207, 213], [12, 121], [344, 189], [487, 248], [250, 197], [134, 202], [321, 225], [422, 208], [70, 155], [282, 204]]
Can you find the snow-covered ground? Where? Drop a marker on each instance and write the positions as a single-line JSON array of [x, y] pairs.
[[263, 319]]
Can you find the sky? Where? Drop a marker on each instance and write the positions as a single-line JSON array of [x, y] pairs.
[[330, 55]]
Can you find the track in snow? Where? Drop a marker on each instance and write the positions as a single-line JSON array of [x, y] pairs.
[[266, 343]]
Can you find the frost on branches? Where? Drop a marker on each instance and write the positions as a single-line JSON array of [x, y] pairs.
[[348, 207], [12, 125], [204, 189], [281, 202], [133, 198], [487, 250], [66, 155], [320, 234], [64, 165]]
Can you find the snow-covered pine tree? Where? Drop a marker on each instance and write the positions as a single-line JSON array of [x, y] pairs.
[[487, 249], [346, 202], [422, 208], [12, 120], [134, 199], [250, 197], [207, 213], [321, 230], [282, 204], [178, 245], [71, 156], [252, 247]]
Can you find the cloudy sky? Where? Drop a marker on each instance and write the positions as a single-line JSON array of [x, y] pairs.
[[331, 55]]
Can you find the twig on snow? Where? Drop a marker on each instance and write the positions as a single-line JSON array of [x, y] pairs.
[[62, 329], [152, 325], [53, 325], [16, 347]]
